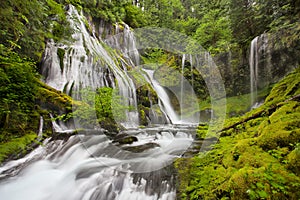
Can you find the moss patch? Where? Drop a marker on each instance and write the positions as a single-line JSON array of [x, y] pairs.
[[256, 157], [16, 146]]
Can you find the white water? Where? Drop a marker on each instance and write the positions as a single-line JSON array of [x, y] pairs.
[[261, 74], [41, 125], [253, 62], [92, 167], [164, 100], [182, 84], [192, 68], [59, 128], [88, 63], [124, 40]]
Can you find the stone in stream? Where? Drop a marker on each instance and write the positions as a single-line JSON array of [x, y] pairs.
[[141, 148], [124, 138]]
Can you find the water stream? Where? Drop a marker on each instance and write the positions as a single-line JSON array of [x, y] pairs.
[[92, 166]]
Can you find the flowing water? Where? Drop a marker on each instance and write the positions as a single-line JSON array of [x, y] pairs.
[[260, 68], [165, 102], [92, 166], [253, 62]]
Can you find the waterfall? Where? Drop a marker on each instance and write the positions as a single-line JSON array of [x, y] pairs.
[[59, 127], [128, 44], [41, 125], [164, 100], [182, 84], [124, 40], [87, 62], [253, 63], [260, 68]]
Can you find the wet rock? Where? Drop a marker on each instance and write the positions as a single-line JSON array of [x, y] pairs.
[[141, 148], [124, 138]]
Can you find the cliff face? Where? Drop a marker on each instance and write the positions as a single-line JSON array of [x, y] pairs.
[[270, 55]]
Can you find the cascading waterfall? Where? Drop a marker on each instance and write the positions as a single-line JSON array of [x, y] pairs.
[[87, 63], [59, 127], [41, 125], [164, 100], [267, 64], [260, 69], [187, 90], [253, 62], [124, 40]]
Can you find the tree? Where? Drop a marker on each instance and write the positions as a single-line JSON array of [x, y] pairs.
[[242, 21], [214, 32]]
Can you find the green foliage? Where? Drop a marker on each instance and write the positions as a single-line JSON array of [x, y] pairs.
[[21, 97], [287, 88], [26, 25], [214, 32], [18, 87], [236, 105], [134, 17], [101, 107], [111, 11], [154, 56]]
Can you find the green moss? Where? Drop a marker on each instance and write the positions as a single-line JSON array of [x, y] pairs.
[[16, 146], [49, 95], [202, 131], [288, 87], [293, 159], [142, 116], [258, 158], [282, 127], [146, 97]]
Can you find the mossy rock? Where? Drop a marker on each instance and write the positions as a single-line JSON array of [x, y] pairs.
[[124, 138], [282, 127], [110, 125], [53, 99], [293, 158], [286, 88], [17, 147]]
